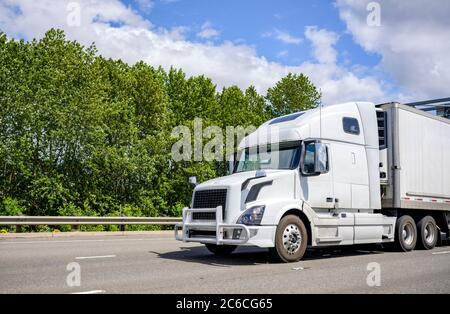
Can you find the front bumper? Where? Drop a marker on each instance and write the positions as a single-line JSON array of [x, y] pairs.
[[219, 232]]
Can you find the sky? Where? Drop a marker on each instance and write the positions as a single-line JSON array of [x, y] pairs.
[[378, 51]]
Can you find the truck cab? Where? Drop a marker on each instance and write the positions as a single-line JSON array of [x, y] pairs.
[[307, 179]]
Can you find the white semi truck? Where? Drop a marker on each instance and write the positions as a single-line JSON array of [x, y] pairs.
[[346, 174]]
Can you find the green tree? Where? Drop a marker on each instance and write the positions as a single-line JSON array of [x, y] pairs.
[[81, 134], [257, 105], [11, 207], [233, 108], [293, 93], [189, 98]]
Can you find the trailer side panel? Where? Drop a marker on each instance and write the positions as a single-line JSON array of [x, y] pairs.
[[420, 159]]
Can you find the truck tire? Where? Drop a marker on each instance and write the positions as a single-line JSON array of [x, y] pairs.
[[405, 234], [427, 232], [291, 240], [221, 250]]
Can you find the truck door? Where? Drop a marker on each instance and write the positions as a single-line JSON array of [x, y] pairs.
[[333, 225], [350, 176], [317, 188]]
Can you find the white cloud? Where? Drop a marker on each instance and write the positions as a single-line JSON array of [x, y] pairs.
[[283, 54], [145, 5], [132, 38], [284, 37], [337, 83], [208, 32], [413, 41], [323, 42]]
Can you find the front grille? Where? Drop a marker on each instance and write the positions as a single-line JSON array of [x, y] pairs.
[[209, 199], [204, 216], [202, 234]]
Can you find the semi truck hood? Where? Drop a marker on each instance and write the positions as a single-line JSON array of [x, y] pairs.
[[280, 184], [240, 178]]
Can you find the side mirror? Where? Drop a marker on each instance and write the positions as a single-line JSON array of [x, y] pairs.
[[193, 181], [320, 158], [314, 159]]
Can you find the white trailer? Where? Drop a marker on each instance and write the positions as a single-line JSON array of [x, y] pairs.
[[340, 175], [415, 169]]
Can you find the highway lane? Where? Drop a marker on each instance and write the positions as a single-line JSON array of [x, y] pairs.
[[158, 264]]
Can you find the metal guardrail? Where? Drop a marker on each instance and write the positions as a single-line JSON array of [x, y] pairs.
[[76, 221]]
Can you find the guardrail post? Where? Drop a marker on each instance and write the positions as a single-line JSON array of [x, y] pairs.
[[18, 228], [74, 228], [122, 228]]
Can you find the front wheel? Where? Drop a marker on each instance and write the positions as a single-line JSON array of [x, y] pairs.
[[221, 250], [291, 239]]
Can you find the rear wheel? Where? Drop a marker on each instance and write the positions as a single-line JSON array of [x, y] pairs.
[[291, 239], [405, 234], [428, 233], [221, 250]]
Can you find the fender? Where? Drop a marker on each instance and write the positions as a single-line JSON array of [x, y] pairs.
[[305, 209], [276, 208]]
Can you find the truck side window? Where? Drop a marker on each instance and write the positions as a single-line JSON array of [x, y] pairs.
[[351, 125]]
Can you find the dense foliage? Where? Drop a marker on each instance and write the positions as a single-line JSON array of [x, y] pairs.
[[84, 135]]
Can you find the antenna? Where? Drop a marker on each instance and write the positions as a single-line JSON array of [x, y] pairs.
[[320, 115]]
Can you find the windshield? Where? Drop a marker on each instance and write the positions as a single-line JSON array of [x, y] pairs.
[[282, 156]]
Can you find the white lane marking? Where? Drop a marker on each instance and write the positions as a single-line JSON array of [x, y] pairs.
[[78, 241], [93, 257], [442, 252], [90, 292]]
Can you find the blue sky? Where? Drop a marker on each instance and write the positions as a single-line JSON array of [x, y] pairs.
[[250, 21], [257, 42], [260, 24]]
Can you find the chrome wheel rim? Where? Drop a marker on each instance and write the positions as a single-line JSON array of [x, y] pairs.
[[429, 233], [408, 234], [292, 239]]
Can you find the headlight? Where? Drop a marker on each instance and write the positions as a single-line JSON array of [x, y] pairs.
[[252, 216]]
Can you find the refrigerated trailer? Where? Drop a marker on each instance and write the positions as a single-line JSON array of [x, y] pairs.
[[345, 174]]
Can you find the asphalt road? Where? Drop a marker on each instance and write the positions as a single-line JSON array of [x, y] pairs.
[[159, 264]]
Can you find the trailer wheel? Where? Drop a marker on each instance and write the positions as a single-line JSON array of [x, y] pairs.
[[405, 233], [221, 250], [291, 239], [428, 233]]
